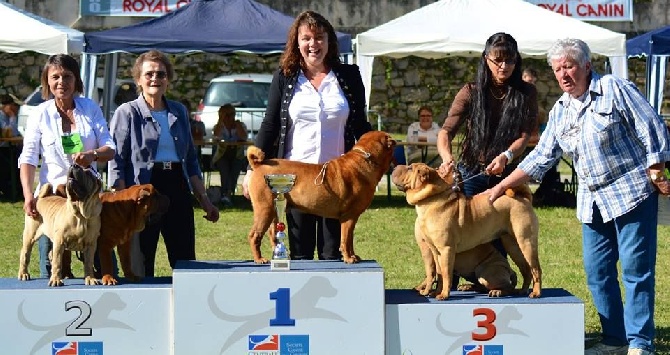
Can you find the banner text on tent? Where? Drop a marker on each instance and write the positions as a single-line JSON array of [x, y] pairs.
[[590, 10], [129, 7]]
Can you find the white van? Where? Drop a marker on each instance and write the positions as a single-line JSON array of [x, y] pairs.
[[247, 92]]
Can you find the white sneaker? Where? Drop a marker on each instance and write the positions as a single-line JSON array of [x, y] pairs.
[[603, 349], [632, 351]]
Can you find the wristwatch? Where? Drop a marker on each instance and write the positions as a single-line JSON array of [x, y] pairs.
[[657, 176], [95, 155], [509, 155]]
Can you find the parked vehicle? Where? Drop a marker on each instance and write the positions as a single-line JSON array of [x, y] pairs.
[[247, 92], [124, 90]]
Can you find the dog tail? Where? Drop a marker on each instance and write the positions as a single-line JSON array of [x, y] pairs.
[[521, 191], [255, 156], [46, 190]]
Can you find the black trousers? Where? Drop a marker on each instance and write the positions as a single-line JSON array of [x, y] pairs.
[[176, 226], [307, 232]]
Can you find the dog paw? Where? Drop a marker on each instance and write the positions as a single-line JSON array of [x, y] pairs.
[[108, 280], [466, 287], [55, 281], [353, 259], [496, 293], [442, 296], [90, 281], [68, 275], [534, 295], [261, 260], [24, 276]]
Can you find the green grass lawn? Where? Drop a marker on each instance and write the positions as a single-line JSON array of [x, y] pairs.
[[385, 233]]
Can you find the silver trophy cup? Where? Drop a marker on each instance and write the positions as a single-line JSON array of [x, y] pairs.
[[280, 184]]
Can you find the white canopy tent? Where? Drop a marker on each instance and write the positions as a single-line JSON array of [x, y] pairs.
[[461, 27], [25, 31]]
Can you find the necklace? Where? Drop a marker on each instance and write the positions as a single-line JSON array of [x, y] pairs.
[[501, 93]]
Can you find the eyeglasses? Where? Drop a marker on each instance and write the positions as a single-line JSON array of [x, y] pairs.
[[426, 115], [159, 74], [499, 63]]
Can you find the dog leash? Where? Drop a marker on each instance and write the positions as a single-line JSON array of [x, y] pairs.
[[322, 174]]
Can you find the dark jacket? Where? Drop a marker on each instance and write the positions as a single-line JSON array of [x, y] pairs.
[[271, 137]]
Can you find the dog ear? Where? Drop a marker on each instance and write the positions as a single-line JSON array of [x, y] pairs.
[[60, 191], [420, 174]]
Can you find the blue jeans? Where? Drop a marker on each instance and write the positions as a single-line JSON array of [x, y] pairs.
[[631, 240], [44, 246]]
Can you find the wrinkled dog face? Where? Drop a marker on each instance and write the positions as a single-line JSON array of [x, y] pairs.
[[82, 183]]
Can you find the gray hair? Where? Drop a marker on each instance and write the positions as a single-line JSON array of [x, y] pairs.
[[570, 48]]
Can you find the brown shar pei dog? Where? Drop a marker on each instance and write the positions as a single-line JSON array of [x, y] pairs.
[[124, 213], [341, 188], [451, 223], [71, 222]]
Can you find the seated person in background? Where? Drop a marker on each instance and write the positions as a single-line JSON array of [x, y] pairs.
[[423, 131], [9, 128], [228, 159], [9, 116], [197, 127]]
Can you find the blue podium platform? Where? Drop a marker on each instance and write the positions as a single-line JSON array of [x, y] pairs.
[[474, 323]]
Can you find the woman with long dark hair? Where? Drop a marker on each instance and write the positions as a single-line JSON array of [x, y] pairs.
[[499, 111]]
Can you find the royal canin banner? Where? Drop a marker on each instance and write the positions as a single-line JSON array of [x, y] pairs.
[[147, 8], [590, 10]]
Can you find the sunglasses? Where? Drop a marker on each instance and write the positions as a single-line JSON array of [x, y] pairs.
[[158, 74], [499, 62]]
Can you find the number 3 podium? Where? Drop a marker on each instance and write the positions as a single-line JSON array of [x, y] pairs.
[[318, 307]]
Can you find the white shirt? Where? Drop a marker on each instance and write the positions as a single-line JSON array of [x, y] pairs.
[[43, 136], [318, 118], [429, 134]]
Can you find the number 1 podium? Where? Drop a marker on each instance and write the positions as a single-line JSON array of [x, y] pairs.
[[318, 307], [238, 307]]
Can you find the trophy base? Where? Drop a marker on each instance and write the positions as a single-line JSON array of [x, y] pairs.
[[280, 264]]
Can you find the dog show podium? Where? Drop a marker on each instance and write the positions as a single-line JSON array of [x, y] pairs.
[[470, 323], [317, 307], [77, 319], [239, 307]]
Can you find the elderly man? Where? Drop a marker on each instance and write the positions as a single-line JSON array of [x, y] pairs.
[[618, 145]]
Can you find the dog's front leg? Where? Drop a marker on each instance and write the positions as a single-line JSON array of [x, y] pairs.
[[446, 257], [347, 242], [255, 238], [56, 264], [89, 255]]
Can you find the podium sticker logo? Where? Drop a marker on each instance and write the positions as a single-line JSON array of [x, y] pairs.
[[76, 348], [264, 342], [482, 350], [294, 344]]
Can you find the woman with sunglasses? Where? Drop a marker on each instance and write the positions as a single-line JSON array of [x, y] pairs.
[[153, 137], [499, 111]]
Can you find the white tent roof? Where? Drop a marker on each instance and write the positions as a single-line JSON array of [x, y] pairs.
[[461, 27], [25, 31]]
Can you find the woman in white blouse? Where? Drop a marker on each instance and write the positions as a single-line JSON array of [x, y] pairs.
[[64, 130]]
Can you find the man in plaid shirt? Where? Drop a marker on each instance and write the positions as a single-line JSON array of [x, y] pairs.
[[618, 145]]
